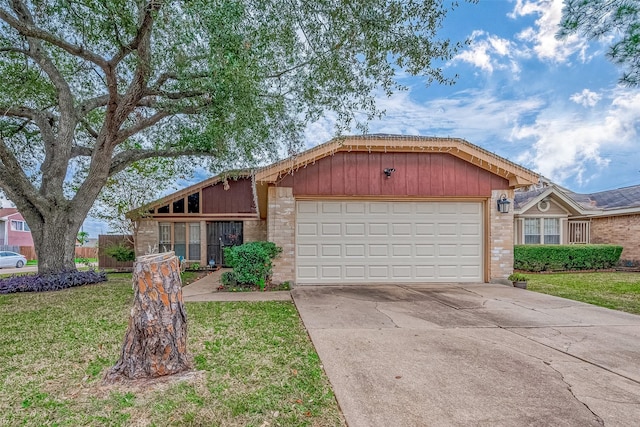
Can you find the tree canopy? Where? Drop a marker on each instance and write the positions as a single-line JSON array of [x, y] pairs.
[[90, 87], [618, 19]]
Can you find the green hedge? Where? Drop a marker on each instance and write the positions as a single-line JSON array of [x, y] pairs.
[[565, 257], [251, 262]]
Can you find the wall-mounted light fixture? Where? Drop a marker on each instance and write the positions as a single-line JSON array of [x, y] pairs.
[[503, 204], [388, 172]]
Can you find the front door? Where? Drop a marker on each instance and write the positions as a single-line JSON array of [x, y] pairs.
[[221, 234]]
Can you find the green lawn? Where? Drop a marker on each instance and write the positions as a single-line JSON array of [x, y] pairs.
[[619, 291], [258, 367]]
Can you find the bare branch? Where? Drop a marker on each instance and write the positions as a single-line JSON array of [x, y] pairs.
[[27, 28], [13, 178], [140, 126], [80, 151]]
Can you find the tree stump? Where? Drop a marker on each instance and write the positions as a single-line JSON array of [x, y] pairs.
[[155, 343]]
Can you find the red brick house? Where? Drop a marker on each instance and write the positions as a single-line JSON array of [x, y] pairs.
[[14, 230], [551, 214], [364, 209]]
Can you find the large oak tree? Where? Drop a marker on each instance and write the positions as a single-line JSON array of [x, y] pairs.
[[90, 87]]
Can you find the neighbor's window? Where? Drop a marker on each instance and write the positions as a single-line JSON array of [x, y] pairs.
[[164, 241], [19, 225], [545, 231]]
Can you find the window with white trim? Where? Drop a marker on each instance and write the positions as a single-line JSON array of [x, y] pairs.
[[542, 231], [164, 241], [19, 225]]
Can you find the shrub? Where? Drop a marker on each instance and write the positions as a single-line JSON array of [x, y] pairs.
[[228, 278], [517, 277], [120, 252], [251, 261], [50, 282], [565, 257]]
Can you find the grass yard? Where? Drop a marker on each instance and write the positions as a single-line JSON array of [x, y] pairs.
[[615, 290], [258, 367]]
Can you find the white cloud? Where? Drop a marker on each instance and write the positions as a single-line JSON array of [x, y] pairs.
[[488, 52], [586, 98], [567, 147], [543, 36]]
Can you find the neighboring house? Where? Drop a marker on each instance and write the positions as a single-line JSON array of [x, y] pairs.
[[364, 209], [554, 215], [14, 230]]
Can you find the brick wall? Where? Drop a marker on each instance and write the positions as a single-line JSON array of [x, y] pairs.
[[147, 237], [618, 230], [281, 231], [500, 239], [254, 231]]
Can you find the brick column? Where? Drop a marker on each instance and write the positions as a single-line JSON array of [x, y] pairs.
[[281, 223], [500, 239], [147, 236]]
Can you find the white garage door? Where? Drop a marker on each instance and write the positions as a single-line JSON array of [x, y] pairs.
[[388, 242]]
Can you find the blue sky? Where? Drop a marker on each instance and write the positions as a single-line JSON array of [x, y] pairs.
[[552, 106]]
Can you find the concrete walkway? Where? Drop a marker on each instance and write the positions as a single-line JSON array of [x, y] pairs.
[[473, 355], [206, 289]]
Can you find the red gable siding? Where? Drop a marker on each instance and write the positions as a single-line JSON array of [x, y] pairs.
[[417, 174], [237, 199]]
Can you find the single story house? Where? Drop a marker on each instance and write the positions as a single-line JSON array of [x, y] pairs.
[[549, 214], [357, 209], [14, 230]]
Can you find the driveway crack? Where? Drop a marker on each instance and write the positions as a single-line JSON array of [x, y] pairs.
[[385, 314], [570, 388]]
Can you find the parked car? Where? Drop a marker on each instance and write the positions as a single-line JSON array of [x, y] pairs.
[[11, 259]]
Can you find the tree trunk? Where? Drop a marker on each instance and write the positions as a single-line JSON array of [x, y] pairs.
[[55, 244], [155, 343]]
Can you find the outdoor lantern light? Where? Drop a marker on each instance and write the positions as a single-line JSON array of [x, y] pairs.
[[389, 171], [503, 204]]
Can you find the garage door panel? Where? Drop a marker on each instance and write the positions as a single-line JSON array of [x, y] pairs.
[[378, 250], [308, 250], [355, 272], [354, 251], [369, 242], [331, 250], [379, 272], [307, 229], [355, 208], [401, 250], [354, 229], [401, 229]]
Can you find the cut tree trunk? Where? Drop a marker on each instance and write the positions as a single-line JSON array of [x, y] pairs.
[[155, 343]]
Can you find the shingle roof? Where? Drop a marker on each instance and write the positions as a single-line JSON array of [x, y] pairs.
[[620, 198]]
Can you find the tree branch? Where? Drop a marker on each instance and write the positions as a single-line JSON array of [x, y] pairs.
[[14, 180], [140, 125], [80, 151], [28, 29]]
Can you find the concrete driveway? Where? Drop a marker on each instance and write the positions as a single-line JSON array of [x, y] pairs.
[[473, 355]]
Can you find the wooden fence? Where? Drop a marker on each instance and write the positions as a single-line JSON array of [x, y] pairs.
[[105, 261], [29, 252]]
